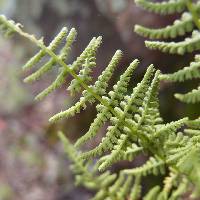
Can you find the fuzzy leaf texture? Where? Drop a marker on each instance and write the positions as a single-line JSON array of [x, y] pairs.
[[134, 124], [188, 22]]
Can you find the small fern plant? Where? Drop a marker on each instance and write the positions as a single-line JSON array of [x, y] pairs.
[[188, 23], [134, 125]]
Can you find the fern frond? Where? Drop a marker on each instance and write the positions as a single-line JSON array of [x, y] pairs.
[[193, 128], [124, 189], [115, 153], [116, 96], [152, 166], [136, 190], [188, 45], [189, 22], [115, 187], [164, 8], [88, 53], [194, 123], [114, 131], [99, 87], [78, 165], [181, 189], [135, 125], [51, 63], [85, 72], [190, 97], [187, 73], [179, 28], [169, 182], [180, 145], [131, 152], [61, 78], [169, 128], [177, 140], [106, 144], [37, 58], [189, 165], [8, 27], [89, 179], [152, 193], [192, 132], [175, 154]]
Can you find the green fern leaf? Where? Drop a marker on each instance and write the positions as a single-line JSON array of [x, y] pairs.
[[188, 45], [113, 131], [190, 164], [115, 97], [187, 73], [99, 87], [153, 166], [179, 28], [51, 63], [85, 72], [152, 194], [8, 27], [136, 190], [190, 97], [164, 8]]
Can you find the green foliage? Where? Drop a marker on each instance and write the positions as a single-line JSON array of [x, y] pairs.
[[190, 97], [187, 73], [188, 45], [8, 27], [164, 8], [134, 125], [187, 23], [178, 28], [180, 151]]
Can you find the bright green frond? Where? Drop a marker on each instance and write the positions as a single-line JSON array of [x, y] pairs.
[[99, 87], [169, 182], [119, 89], [189, 164], [125, 188], [80, 59], [131, 119], [176, 140], [163, 8], [72, 154], [179, 28], [64, 52], [59, 81], [169, 128], [81, 104], [113, 131], [187, 73], [102, 83], [8, 27], [85, 72], [180, 191], [152, 193], [131, 152], [63, 55], [52, 46], [100, 119], [190, 97], [194, 123], [152, 166], [188, 45], [117, 148], [137, 189]]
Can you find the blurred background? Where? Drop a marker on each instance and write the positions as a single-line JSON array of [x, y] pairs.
[[32, 163]]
